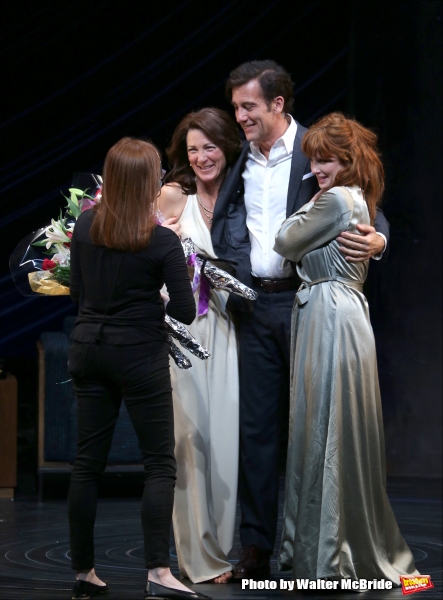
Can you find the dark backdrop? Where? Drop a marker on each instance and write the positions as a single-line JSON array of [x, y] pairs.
[[78, 76]]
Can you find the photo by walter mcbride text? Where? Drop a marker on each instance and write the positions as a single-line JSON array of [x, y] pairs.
[[318, 584]]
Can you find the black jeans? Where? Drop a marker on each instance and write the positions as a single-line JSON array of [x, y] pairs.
[[103, 375], [265, 341]]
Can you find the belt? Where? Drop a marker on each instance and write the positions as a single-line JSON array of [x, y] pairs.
[[304, 290], [275, 285]]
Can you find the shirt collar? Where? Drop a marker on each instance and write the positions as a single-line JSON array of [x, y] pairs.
[[288, 139], [289, 135]]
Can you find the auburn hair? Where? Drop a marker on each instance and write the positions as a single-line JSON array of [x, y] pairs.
[[356, 149], [124, 217], [218, 127]]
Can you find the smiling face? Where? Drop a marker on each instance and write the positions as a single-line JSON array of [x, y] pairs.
[[261, 123], [326, 169], [206, 159]]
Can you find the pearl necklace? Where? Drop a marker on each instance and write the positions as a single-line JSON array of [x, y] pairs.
[[207, 212]]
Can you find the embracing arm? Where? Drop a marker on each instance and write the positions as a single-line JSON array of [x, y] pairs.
[[306, 231], [373, 243]]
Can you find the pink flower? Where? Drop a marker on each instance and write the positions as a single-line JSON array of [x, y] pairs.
[[87, 204]]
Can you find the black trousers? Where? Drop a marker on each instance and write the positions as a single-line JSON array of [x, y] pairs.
[[103, 375], [265, 341]]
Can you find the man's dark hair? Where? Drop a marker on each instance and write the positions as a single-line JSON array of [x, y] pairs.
[[273, 79]]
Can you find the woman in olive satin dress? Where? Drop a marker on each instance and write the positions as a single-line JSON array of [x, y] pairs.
[[338, 522]]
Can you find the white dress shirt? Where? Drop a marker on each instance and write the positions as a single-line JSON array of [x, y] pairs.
[[266, 192]]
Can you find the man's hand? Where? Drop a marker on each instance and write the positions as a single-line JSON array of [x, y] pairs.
[[172, 224], [359, 248]]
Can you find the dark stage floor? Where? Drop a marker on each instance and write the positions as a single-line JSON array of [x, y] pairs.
[[35, 561]]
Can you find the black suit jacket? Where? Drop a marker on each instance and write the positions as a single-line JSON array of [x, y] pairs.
[[229, 233]]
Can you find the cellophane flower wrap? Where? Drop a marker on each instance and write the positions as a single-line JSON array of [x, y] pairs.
[[53, 278], [217, 278]]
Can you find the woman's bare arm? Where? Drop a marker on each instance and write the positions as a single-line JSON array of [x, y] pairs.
[[170, 204], [171, 201]]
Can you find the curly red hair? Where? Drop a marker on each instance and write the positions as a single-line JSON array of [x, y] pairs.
[[356, 149]]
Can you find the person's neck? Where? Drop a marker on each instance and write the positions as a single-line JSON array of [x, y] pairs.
[[281, 126], [209, 189]]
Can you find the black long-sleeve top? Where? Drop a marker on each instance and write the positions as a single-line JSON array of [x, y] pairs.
[[122, 289]]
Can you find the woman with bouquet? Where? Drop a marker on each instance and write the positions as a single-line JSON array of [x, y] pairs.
[[119, 261]]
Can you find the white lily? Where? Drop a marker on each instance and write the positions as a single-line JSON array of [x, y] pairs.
[[56, 234], [63, 255]]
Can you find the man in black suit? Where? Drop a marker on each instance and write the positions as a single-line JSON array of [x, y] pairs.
[[271, 180]]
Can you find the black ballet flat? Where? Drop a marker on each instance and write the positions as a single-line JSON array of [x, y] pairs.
[[155, 590], [84, 590]]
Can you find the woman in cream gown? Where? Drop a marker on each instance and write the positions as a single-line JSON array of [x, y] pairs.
[[206, 431], [206, 396], [338, 522]]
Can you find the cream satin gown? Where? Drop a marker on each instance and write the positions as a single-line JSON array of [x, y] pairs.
[[206, 405], [338, 522]]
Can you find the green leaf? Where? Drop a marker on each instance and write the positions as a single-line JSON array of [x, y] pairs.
[[62, 274], [81, 193], [74, 198], [73, 208], [76, 191]]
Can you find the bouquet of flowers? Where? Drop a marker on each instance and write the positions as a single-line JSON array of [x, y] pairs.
[[207, 275], [213, 277], [51, 276], [55, 274], [40, 264]]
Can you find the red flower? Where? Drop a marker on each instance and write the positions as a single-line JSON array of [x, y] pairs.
[[69, 234], [48, 264]]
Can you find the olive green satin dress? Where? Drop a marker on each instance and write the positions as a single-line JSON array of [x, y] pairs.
[[338, 522]]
